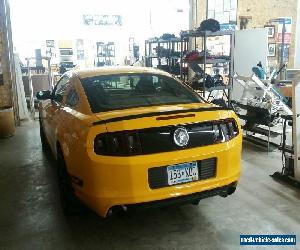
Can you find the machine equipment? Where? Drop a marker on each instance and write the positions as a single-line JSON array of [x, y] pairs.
[[290, 172]]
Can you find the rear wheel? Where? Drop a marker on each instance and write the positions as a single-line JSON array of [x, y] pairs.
[[69, 201], [196, 202], [45, 145]]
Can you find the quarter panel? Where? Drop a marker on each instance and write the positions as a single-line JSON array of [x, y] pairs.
[[72, 134]]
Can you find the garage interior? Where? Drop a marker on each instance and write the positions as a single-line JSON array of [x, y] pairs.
[[243, 67]]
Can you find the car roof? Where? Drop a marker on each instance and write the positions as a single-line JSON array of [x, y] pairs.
[[114, 70]]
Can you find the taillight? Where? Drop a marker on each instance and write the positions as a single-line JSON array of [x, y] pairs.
[[228, 129], [218, 133], [133, 143], [129, 143], [118, 144]]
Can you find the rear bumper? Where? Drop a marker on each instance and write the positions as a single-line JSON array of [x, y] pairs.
[[163, 196], [185, 199], [117, 181]]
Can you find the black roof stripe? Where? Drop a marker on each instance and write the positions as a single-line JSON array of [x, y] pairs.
[[132, 117]]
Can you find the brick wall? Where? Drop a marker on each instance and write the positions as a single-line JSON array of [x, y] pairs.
[[5, 96], [261, 12], [6, 89]]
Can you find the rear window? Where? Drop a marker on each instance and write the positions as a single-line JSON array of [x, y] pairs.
[[115, 92]]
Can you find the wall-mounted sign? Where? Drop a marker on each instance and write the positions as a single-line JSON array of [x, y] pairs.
[[102, 20], [50, 43], [272, 49], [288, 24], [288, 30], [270, 30], [287, 38], [285, 52], [227, 27]]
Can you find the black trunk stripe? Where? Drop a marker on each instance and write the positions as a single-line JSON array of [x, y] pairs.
[[164, 118], [132, 117]]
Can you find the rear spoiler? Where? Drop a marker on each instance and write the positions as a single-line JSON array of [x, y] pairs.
[[132, 117]]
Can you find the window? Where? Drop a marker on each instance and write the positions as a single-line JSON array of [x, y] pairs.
[[72, 98], [114, 92], [224, 11], [60, 88], [80, 49], [80, 54]]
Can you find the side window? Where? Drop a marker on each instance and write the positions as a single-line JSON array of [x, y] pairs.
[[60, 88], [72, 98]]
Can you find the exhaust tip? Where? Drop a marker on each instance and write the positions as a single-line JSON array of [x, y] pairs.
[[116, 210], [231, 190]]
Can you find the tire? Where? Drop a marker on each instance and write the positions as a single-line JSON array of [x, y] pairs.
[[195, 202], [69, 202], [44, 142]]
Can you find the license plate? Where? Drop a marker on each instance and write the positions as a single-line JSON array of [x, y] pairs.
[[181, 173]]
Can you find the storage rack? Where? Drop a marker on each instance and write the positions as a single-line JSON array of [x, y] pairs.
[[105, 54], [168, 51], [110, 53], [192, 36]]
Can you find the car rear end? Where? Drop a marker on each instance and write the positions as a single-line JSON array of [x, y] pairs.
[[155, 141], [137, 162]]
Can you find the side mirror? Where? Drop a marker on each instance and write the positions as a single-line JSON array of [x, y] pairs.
[[43, 95]]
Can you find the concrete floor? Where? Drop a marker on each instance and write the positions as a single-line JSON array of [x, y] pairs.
[[31, 217]]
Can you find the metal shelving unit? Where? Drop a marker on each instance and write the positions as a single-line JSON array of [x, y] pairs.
[[105, 54], [166, 53], [204, 61]]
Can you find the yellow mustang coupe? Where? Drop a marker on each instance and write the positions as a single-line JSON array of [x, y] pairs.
[[126, 137]]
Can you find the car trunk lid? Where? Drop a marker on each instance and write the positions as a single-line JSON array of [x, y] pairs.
[[146, 117]]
